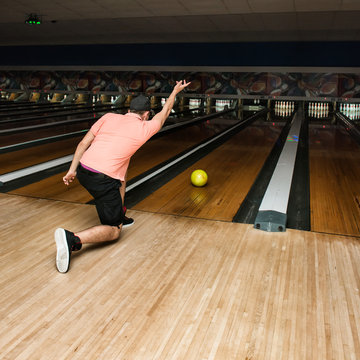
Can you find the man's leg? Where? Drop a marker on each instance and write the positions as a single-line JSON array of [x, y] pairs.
[[67, 241], [109, 207], [99, 233], [127, 221], [123, 189]]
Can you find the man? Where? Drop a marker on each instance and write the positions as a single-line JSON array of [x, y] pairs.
[[100, 162]]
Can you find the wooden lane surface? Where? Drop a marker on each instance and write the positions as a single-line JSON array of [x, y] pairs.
[[174, 288], [231, 168], [334, 181], [152, 153], [31, 156]]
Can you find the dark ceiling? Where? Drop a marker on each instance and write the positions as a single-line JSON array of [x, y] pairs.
[[174, 21]]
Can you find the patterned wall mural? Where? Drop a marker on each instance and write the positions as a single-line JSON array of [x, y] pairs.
[[268, 84]]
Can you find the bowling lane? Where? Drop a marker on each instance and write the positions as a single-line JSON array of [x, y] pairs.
[[232, 169], [37, 154], [155, 151], [334, 181]]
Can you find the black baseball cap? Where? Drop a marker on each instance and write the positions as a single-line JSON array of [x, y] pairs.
[[140, 103]]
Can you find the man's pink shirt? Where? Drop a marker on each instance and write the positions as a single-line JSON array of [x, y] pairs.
[[117, 138]]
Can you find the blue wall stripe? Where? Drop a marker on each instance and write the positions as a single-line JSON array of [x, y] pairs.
[[324, 54]]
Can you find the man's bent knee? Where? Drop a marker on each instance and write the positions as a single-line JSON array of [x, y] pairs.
[[116, 230]]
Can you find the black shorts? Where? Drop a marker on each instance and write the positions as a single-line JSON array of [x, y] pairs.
[[106, 193]]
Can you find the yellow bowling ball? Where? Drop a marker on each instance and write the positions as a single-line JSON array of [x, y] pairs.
[[199, 178]]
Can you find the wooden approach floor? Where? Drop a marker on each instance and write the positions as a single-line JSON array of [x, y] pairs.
[[174, 288]]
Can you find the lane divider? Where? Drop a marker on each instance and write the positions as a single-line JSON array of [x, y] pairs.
[[48, 125], [14, 175], [25, 144], [272, 214]]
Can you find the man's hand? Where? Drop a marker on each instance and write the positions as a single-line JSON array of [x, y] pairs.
[[69, 177], [181, 85]]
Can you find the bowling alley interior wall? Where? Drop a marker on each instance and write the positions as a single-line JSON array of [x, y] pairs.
[[268, 84], [302, 69]]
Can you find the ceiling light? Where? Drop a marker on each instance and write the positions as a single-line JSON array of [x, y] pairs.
[[33, 19]]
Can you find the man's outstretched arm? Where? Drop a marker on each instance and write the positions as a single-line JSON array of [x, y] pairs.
[[165, 112]]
